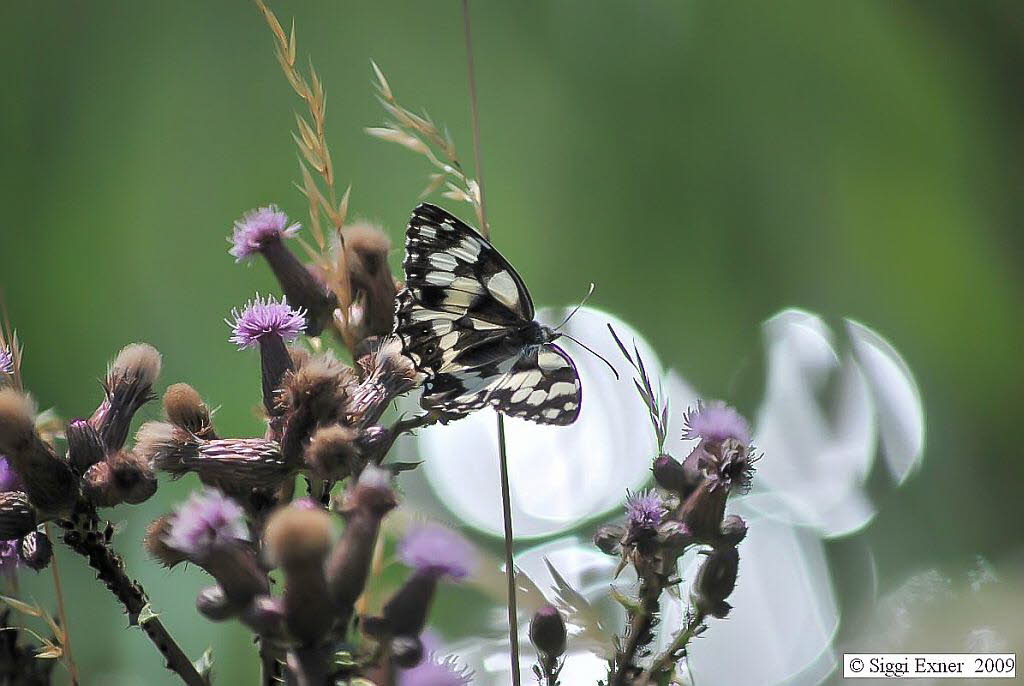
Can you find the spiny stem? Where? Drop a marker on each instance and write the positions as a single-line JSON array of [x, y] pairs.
[[662, 661], [58, 590], [506, 501]]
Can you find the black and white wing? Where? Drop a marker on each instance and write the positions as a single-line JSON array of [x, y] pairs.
[[459, 320], [543, 386]]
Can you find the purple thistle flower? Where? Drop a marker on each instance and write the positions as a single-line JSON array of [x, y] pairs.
[[9, 559], [206, 520], [6, 361], [258, 226], [435, 550], [266, 317], [644, 511], [9, 479], [436, 672], [716, 422]]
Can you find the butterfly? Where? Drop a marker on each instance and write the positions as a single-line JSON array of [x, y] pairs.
[[466, 321]]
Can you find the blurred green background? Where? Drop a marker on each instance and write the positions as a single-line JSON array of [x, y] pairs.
[[705, 163]]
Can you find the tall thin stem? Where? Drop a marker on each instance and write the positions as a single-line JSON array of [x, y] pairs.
[[506, 500], [58, 590]]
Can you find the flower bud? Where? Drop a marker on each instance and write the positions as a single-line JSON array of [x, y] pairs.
[[715, 582], [49, 482], [213, 604], [35, 550], [127, 387], [232, 464], [670, 475], [609, 539], [734, 530], [85, 446], [348, 566], [386, 374], [185, 409], [333, 452], [17, 516], [373, 287], [547, 632], [314, 395], [674, 536], [265, 615], [298, 540]]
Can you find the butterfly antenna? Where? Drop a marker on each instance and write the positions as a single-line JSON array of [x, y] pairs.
[[594, 353], [577, 308]]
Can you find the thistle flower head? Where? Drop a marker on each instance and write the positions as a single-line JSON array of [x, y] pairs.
[[436, 672], [207, 520], [258, 226], [9, 479], [6, 361], [432, 549], [644, 510], [715, 422], [266, 317]]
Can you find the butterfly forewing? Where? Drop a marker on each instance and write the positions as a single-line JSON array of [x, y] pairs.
[[465, 319]]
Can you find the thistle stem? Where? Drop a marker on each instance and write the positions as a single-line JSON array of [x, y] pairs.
[[506, 503], [668, 657], [82, 535]]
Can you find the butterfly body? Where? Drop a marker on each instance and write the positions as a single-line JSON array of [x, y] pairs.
[[466, 320]]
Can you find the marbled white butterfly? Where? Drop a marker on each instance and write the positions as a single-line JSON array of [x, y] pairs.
[[465, 319]]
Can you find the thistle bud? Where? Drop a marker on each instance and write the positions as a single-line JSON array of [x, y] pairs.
[[672, 476], [298, 540], [85, 446], [314, 395], [373, 287], [35, 550], [127, 387], [734, 530], [265, 615], [703, 510], [386, 374], [332, 453], [609, 539], [232, 464], [674, 536], [547, 632], [132, 477], [212, 602], [348, 566], [17, 516], [715, 582], [185, 409], [262, 231], [49, 482]]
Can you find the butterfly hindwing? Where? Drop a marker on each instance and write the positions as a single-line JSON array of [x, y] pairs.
[[543, 386]]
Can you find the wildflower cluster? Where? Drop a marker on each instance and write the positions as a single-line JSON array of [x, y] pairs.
[[685, 511]]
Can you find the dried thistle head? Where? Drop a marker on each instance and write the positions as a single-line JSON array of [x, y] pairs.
[[127, 387], [298, 536], [333, 452], [85, 445], [185, 409], [373, 287], [49, 482], [124, 477]]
